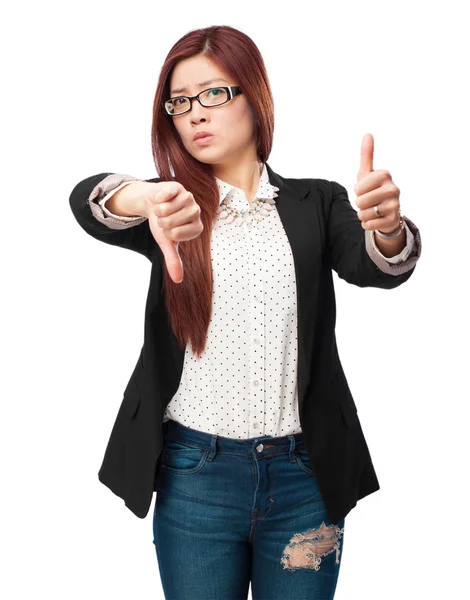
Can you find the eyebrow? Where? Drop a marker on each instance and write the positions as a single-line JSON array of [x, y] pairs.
[[183, 89]]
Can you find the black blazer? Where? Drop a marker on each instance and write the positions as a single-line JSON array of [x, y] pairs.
[[325, 233]]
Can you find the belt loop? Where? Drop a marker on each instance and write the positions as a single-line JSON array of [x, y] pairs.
[[292, 448], [213, 447]]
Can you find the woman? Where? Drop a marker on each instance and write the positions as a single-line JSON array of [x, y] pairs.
[[238, 412]]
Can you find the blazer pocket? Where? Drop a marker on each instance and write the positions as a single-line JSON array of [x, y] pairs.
[[347, 407], [132, 393], [132, 400], [349, 414], [346, 395]]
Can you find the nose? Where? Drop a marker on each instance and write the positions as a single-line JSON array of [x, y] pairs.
[[198, 111]]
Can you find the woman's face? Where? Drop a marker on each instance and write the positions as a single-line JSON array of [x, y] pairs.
[[231, 124]]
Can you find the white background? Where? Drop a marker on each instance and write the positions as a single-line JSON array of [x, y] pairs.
[[79, 80]]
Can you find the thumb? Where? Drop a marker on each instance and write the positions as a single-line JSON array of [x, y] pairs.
[[367, 156], [173, 260], [169, 250]]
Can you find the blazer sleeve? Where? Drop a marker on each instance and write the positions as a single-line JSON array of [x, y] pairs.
[[351, 252], [84, 203]]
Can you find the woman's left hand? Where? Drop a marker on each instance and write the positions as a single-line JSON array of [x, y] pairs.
[[376, 188]]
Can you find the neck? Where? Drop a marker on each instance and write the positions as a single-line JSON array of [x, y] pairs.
[[245, 176]]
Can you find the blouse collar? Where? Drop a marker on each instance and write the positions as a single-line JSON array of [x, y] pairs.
[[265, 189]]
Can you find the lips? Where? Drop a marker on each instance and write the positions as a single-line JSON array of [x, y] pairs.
[[201, 134]]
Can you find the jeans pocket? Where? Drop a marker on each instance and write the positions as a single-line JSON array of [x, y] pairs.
[[303, 461], [179, 457]]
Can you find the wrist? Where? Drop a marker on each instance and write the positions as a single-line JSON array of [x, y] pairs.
[[390, 247], [129, 201], [395, 233]]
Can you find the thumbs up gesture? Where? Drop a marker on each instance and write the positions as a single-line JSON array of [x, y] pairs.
[[376, 188]]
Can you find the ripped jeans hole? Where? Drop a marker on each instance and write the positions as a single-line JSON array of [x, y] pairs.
[[306, 550]]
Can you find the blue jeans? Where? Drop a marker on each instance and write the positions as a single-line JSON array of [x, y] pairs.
[[229, 512]]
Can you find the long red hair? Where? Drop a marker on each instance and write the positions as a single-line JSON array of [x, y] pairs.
[[189, 304]]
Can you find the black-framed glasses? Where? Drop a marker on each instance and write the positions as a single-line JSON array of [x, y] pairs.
[[210, 97]]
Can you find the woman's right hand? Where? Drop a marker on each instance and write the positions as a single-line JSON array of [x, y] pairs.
[[173, 217]]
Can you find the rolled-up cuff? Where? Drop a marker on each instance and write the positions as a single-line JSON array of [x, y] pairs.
[[101, 193], [403, 262], [108, 213]]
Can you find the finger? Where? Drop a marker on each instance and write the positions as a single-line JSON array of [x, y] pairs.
[[169, 250], [374, 181], [387, 209], [183, 216], [174, 264], [367, 156], [381, 223], [173, 260], [168, 201]]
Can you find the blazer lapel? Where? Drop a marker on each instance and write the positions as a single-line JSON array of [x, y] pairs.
[[298, 207]]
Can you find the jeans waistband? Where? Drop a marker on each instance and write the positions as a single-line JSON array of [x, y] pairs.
[[178, 432]]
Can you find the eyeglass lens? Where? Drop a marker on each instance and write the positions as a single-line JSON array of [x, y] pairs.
[[211, 97]]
